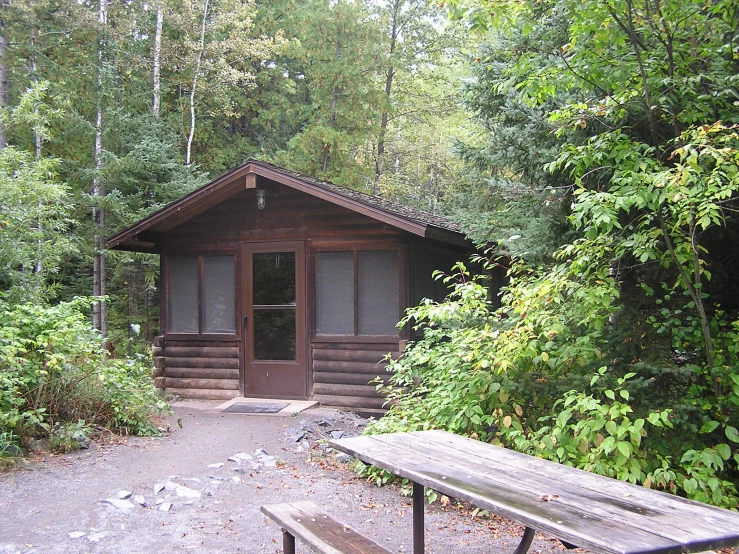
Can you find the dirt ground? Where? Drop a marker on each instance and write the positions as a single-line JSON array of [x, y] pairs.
[[55, 503]]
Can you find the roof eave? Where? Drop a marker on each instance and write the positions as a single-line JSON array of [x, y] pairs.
[[126, 238]]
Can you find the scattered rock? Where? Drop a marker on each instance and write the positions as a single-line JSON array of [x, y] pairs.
[[326, 422], [159, 501], [140, 500], [337, 434], [240, 470], [123, 494], [343, 458], [76, 534], [159, 487], [118, 503], [165, 506], [241, 456], [170, 486], [215, 466], [297, 437], [187, 492], [38, 445], [236, 479], [96, 537]]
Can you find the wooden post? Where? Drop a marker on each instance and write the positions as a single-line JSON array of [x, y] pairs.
[[288, 543], [418, 538]]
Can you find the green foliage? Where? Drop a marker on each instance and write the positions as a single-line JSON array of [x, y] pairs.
[[35, 209], [57, 378], [536, 375]]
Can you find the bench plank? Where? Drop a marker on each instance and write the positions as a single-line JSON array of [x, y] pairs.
[[319, 530], [592, 511]]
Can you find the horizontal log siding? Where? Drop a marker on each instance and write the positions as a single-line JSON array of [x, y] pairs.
[[342, 373], [198, 369]]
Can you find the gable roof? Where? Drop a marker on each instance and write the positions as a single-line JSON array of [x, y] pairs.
[[407, 219]]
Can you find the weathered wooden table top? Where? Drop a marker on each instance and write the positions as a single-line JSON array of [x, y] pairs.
[[587, 510]]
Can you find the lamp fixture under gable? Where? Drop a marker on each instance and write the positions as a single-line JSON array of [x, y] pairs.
[[260, 198]]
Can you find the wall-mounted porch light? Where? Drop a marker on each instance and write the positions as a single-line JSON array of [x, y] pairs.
[[260, 198]]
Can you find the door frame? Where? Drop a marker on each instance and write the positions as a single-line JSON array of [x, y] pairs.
[[301, 315]]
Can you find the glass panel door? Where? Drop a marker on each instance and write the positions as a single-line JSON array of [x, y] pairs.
[[274, 305], [274, 324]]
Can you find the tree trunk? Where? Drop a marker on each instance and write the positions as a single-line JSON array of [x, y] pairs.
[[4, 69], [99, 315], [332, 118], [157, 61], [380, 161], [191, 135]]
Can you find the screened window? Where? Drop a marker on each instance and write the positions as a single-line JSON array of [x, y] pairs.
[[357, 293], [202, 295]]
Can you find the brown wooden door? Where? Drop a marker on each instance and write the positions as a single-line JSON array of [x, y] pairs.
[[274, 346]]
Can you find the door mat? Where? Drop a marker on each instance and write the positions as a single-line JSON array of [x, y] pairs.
[[254, 408]]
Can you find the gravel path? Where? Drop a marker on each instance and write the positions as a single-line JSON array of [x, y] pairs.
[[56, 503]]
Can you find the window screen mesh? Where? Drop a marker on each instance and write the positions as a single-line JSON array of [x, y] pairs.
[[218, 294], [335, 293], [183, 312], [378, 292]]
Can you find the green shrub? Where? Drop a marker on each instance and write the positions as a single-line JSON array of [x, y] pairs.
[[544, 376], [55, 375]]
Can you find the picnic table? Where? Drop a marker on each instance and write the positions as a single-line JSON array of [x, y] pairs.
[[581, 509]]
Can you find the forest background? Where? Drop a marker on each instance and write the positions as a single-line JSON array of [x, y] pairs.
[[589, 146]]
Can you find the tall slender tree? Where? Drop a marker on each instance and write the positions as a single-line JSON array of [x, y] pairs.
[[99, 315]]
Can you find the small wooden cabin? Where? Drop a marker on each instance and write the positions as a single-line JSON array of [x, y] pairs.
[[278, 285]]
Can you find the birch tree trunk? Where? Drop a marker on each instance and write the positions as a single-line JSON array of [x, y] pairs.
[[191, 135], [157, 61], [99, 315]]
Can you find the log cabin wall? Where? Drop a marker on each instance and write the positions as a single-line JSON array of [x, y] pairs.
[[343, 371], [197, 369], [339, 369]]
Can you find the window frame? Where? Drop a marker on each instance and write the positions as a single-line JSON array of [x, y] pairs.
[[200, 255], [356, 248]]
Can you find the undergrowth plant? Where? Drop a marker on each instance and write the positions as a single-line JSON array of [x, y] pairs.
[[58, 381], [541, 375]]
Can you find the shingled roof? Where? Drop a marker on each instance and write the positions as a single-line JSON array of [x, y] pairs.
[[396, 215]]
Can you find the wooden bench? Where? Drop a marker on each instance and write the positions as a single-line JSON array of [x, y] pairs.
[[319, 530]]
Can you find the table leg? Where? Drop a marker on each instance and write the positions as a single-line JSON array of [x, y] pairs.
[[418, 538], [288, 543], [525, 544]]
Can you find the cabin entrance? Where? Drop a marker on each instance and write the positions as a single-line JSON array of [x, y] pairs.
[[273, 350]]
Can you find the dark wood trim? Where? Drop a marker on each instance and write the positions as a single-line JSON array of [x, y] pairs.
[[201, 286], [205, 337], [403, 285], [356, 292], [359, 339], [166, 298], [301, 323], [345, 245], [163, 296], [310, 305]]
